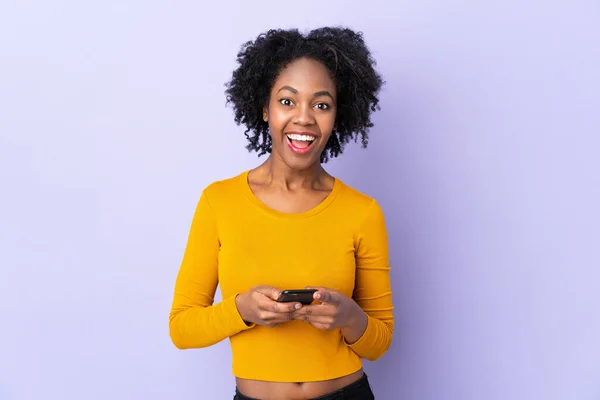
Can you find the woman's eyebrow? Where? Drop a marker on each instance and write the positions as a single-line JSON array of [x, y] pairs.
[[316, 94], [291, 89], [324, 93]]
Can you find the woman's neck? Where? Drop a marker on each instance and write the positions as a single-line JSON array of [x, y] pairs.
[[275, 172]]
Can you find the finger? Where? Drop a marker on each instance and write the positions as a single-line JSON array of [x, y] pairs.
[[284, 317], [327, 296], [320, 290], [305, 315], [323, 320], [315, 309], [321, 326], [275, 293], [267, 304], [285, 307], [269, 291], [271, 318]]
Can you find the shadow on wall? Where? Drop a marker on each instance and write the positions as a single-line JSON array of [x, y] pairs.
[[393, 170]]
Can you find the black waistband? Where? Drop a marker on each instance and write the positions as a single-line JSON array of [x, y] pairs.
[[354, 387]]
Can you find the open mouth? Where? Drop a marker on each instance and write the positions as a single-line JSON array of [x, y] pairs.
[[300, 143]]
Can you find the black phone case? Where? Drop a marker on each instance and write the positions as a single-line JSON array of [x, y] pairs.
[[304, 296]]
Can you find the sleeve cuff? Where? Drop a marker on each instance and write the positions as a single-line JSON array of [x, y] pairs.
[[238, 323], [362, 345]]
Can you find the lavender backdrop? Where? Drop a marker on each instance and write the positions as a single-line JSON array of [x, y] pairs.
[[485, 159]]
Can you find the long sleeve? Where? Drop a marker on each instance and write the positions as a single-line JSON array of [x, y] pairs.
[[194, 321], [372, 290]]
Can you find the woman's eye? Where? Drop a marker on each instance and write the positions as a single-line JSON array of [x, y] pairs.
[[323, 106], [286, 102]]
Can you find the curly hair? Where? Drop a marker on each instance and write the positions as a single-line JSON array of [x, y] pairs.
[[341, 50]]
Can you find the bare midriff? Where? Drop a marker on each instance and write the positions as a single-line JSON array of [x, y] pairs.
[[294, 390]]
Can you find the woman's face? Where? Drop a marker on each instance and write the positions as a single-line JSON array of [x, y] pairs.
[[301, 113]]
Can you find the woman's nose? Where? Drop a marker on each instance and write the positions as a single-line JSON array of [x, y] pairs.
[[305, 116]]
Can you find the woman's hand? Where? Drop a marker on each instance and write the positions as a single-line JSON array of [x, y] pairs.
[[334, 310], [258, 306]]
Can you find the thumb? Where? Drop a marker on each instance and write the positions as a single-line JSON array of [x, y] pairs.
[[325, 295], [331, 298], [269, 291]]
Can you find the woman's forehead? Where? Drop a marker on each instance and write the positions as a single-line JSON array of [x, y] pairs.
[[305, 75]]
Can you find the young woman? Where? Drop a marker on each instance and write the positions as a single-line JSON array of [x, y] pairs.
[[288, 224]]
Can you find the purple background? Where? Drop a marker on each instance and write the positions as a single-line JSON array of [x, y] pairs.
[[485, 159]]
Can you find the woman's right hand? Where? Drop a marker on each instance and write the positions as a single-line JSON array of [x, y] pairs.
[[258, 306]]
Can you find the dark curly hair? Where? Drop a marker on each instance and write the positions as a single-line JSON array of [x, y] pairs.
[[341, 50]]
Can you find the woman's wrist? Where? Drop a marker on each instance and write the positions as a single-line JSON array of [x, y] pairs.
[[356, 326], [239, 303]]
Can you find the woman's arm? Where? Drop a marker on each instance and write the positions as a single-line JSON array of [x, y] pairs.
[[194, 321], [372, 291]]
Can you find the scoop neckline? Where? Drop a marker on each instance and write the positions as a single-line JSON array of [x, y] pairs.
[[337, 185]]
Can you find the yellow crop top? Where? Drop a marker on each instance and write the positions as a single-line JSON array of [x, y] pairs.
[[238, 242]]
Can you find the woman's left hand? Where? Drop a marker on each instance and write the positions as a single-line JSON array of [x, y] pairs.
[[333, 310]]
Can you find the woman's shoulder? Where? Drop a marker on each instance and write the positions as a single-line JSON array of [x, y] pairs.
[[355, 194], [226, 186], [357, 200]]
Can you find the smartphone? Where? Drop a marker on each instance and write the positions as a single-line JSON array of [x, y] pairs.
[[303, 296]]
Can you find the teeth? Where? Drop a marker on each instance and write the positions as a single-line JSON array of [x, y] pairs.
[[304, 138]]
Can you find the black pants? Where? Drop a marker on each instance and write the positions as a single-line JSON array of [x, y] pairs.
[[359, 390]]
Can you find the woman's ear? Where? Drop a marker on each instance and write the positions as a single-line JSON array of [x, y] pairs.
[[265, 114]]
